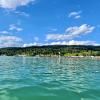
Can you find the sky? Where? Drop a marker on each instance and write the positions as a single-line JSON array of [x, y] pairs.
[[49, 22]]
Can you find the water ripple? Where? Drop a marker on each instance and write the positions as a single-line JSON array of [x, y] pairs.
[[48, 78]]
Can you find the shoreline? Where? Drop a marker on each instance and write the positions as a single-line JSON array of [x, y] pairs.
[[98, 57]]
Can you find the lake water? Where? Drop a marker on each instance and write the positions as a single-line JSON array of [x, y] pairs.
[[49, 78]]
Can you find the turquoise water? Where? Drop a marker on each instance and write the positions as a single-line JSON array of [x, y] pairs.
[[49, 78]]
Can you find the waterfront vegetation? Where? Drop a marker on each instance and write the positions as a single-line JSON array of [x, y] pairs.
[[54, 50]]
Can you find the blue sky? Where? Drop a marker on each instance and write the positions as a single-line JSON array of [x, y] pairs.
[[49, 22]]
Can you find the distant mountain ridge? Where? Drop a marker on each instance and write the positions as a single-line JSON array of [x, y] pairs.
[[63, 50]]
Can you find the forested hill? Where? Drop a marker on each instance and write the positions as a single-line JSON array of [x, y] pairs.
[[63, 50]]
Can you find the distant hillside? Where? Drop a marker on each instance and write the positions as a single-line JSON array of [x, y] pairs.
[[63, 50]]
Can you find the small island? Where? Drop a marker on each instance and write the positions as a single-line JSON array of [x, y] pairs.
[[53, 50]]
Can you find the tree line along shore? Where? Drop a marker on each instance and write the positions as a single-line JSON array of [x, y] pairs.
[[52, 50]]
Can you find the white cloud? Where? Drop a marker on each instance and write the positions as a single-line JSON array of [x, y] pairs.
[[71, 32], [13, 4], [31, 44], [13, 27], [21, 13], [71, 42], [80, 30], [10, 41], [75, 15], [4, 32]]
